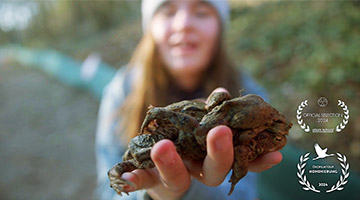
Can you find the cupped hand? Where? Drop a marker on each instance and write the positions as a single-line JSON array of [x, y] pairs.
[[170, 179]]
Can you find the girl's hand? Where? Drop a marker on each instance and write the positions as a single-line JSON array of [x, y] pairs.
[[170, 179]]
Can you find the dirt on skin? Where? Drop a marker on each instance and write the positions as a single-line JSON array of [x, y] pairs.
[[47, 132]]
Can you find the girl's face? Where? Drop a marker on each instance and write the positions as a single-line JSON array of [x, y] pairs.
[[185, 33]]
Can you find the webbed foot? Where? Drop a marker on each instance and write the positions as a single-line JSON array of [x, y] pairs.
[[240, 165], [116, 182]]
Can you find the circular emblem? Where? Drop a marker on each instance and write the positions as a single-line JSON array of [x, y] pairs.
[[322, 101]]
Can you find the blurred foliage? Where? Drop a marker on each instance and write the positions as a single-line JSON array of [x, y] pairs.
[[299, 43], [80, 27], [63, 20], [296, 49], [304, 50]]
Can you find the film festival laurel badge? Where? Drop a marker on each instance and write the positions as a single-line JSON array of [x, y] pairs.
[[322, 118], [313, 175], [321, 169]]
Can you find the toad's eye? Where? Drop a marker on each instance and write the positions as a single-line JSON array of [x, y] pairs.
[[278, 139]]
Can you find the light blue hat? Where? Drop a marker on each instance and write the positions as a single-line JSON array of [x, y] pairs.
[[149, 7]]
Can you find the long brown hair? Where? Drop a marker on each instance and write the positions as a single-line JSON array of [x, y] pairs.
[[152, 82]]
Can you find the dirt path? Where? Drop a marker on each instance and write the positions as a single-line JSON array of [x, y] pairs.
[[46, 137]]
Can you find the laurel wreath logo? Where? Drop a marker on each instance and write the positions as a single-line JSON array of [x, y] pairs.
[[309, 187], [306, 127], [345, 174], [302, 176], [342, 125], [300, 121]]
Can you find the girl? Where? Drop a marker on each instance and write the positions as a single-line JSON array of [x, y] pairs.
[[181, 56]]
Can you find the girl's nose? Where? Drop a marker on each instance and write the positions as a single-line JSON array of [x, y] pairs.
[[182, 20]]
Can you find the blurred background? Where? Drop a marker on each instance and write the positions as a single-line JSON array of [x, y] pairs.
[[56, 57]]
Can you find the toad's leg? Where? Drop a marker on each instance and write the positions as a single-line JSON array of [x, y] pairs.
[[136, 157], [216, 98], [220, 115], [240, 165], [118, 184]]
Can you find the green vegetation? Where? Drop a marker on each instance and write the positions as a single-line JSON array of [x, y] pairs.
[[304, 50]]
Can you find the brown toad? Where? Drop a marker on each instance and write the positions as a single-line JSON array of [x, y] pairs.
[[257, 129]]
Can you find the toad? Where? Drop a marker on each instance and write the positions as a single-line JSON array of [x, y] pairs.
[[257, 129]]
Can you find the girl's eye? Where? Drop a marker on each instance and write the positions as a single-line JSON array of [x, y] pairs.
[[203, 11], [167, 10]]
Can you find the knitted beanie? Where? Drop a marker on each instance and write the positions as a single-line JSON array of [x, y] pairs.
[[149, 7]]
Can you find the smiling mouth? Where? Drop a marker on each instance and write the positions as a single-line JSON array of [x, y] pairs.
[[184, 48]]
